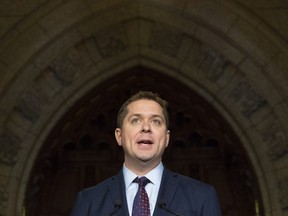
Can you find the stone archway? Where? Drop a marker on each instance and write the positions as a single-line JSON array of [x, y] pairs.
[[222, 60], [81, 150]]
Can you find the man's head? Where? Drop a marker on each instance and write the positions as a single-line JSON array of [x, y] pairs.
[[142, 131]]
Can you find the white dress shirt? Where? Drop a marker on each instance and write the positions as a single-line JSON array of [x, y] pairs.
[[151, 188]]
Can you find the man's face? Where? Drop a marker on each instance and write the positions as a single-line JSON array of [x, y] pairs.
[[144, 135]]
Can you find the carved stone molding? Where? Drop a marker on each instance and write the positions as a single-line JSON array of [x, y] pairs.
[[9, 146]]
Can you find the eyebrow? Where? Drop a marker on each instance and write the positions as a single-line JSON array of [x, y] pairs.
[[153, 116]]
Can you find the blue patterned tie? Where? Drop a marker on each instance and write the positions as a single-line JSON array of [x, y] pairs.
[[141, 205]]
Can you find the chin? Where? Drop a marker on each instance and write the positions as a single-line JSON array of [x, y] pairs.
[[145, 159]]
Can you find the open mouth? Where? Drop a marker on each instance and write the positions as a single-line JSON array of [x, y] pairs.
[[145, 141]]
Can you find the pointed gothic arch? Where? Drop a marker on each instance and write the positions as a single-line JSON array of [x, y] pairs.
[[81, 150]]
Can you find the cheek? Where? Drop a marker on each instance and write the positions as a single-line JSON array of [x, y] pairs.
[[126, 139], [130, 132]]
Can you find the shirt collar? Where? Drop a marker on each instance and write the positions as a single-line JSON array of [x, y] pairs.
[[154, 175]]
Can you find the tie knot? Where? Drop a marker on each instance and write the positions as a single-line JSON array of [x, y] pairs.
[[142, 181]]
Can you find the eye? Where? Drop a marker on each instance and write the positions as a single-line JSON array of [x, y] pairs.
[[156, 121], [135, 120]]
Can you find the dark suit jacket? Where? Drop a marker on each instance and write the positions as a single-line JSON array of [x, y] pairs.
[[181, 194]]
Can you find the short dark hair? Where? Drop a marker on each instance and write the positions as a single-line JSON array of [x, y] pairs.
[[123, 111]]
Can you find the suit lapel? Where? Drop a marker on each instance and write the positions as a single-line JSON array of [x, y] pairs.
[[117, 192], [168, 188]]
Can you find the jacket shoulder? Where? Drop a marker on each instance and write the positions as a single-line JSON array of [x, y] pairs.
[[190, 183], [100, 188]]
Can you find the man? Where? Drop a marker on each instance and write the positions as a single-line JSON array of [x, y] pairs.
[[143, 186]]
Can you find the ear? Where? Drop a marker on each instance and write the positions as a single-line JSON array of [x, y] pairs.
[[118, 136], [167, 138]]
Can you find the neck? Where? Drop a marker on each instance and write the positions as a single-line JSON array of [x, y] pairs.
[[142, 168]]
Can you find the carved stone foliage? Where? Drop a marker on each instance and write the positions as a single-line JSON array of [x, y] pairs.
[[209, 63], [166, 39], [33, 100], [64, 70], [112, 41], [3, 200], [216, 68], [247, 98], [276, 140], [9, 146], [220, 71], [213, 65], [30, 105], [67, 66], [283, 186]]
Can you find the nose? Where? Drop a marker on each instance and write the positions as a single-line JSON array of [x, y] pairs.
[[146, 127]]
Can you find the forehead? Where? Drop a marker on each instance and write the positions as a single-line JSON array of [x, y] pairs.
[[145, 106]]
